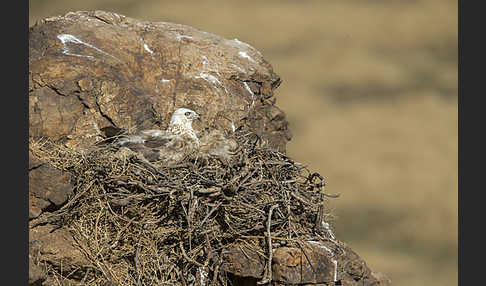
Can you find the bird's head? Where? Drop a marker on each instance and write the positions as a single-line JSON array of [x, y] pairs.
[[184, 116]]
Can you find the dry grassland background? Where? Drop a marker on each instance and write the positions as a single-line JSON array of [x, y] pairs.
[[370, 91]]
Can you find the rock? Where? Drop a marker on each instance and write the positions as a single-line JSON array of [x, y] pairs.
[[47, 185], [36, 206], [89, 70], [36, 274], [378, 278], [57, 247], [311, 264], [34, 162], [314, 263], [243, 262]]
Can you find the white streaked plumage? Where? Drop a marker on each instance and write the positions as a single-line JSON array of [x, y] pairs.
[[178, 141], [166, 146]]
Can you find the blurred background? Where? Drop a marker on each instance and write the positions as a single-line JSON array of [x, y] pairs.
[[370, 91]]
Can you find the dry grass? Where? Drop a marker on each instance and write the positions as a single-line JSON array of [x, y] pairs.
[[370, 91]]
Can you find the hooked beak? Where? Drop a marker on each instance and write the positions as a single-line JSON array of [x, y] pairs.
[[198, 117]]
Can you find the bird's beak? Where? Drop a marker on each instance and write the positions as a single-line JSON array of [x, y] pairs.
[[198, 117]]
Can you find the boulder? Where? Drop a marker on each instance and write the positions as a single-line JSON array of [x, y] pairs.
[[313, 263], [89, 70]]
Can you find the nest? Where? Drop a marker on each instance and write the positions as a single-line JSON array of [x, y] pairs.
[[140, 226]]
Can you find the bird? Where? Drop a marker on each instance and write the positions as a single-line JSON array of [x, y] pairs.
[[179, 141], [217, 144], [168, 147]]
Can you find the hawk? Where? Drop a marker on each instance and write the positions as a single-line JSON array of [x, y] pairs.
[[178, 141], [163, 146]]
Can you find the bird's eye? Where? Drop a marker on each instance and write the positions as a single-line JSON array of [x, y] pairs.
[[187, 113]]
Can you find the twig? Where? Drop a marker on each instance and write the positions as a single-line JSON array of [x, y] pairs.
[[137, 265], [209, 214], [216, 269], [267, 278], [187, 257]]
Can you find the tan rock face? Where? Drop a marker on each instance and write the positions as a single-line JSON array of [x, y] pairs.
[[88, 70]]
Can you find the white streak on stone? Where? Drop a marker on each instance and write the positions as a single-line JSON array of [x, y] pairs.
[[67, 38], [245, 55], [240, 42], [146, 47], [238, 68], [64, 38], [245, 46], [180, 37], [320, 245], [334, 261], [207, 66], [245, 84], [212, 79], [205, 61], [164, 80]]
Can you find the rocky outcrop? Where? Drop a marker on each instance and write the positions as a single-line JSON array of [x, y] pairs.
[[89, 70]]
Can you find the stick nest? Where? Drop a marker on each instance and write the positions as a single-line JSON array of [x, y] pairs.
[[142, 227]]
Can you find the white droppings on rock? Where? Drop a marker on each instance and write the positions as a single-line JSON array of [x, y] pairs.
[[240, 69], [212, 79], [180, 37], [320, 245], [243, 47], [244, 54], [146, 47], [205, 62], [240, 42], [245, 84], [209, 77], [67, 38], [209, 67], [334, 261]]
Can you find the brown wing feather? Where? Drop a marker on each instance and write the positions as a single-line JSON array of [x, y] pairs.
[[161, 146], [215, 143], [158, 142]]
